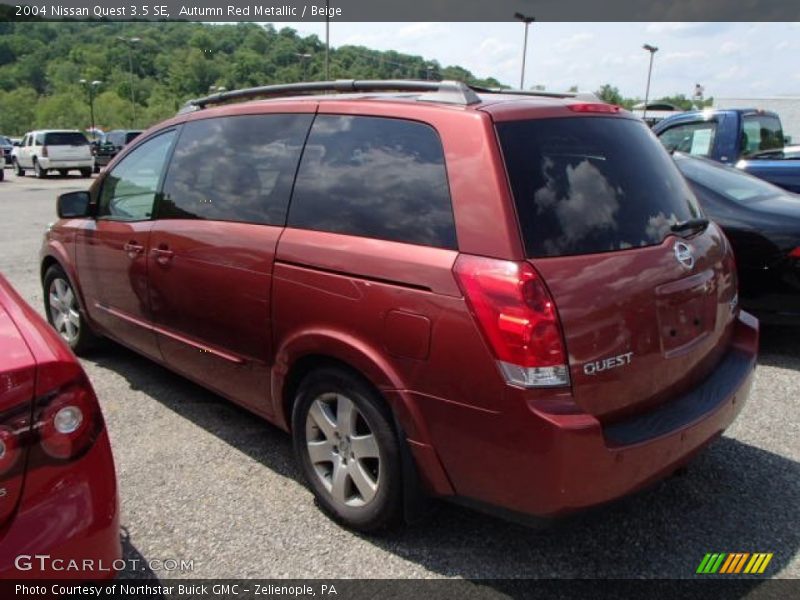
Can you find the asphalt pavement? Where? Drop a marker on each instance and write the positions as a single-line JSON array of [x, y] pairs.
[[207, 483]]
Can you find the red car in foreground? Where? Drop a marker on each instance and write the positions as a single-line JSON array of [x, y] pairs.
[[507, 299], [58, 490]]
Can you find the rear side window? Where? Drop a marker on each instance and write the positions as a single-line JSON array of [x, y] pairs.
[[234, 168], [761, 133], [65, 138], [374, 177], [595, 184]]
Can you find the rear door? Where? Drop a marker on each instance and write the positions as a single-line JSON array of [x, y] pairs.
[[213, 245], [67, 145], [645, 310]]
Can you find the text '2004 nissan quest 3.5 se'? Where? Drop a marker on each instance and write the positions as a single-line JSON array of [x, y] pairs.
[[508, 299]]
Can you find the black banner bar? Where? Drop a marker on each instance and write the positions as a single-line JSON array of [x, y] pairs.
[[392, 10]]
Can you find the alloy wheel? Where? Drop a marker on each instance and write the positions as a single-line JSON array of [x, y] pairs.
[[64, 310], [343, 450]]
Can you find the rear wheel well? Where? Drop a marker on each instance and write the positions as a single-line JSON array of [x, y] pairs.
[[305, 365]]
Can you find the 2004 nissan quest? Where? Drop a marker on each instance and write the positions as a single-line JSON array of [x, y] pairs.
[[508, 299]]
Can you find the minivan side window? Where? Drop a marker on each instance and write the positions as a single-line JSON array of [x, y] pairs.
[[374, 177], [129, 190], [690, 138], [237, 168]]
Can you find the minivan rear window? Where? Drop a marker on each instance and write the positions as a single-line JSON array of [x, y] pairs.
[[592, 184], [65, 138]]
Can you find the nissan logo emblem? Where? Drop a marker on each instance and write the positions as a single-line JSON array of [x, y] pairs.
[[684, 255]]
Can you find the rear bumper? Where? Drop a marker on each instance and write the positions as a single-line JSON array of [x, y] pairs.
[[547, 464], [82, 163], [67, 522]]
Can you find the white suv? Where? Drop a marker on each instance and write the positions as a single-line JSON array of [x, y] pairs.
[[53, 150]]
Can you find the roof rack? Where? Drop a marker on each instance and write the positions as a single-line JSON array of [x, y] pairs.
[[448, 92], [541, 93]]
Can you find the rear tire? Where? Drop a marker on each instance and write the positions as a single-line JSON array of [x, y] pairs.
[[63, 311], [18, 171], [37, 168], [62, 172], [348, 450], [86, 173]]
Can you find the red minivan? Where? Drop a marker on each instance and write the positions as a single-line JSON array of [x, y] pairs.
[[511, 300]]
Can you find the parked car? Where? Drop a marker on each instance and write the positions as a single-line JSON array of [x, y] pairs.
[[762, 221], [53, 150], [113, 142], [512, 300], [747, 138], [6, 147], [58, 491]]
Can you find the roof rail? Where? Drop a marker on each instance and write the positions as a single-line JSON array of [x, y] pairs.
[[448, 92], [542, 93]]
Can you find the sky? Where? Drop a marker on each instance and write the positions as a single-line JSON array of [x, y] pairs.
[[753, 60]]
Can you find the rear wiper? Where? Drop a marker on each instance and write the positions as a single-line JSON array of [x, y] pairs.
[[699, 223]]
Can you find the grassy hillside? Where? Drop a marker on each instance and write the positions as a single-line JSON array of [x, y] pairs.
[[41, 65]]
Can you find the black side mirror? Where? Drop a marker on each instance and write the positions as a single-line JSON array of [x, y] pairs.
[[73, 205], [17, 144]]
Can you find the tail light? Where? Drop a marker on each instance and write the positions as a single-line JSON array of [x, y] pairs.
[[594, 107], [68, 421], [44, 151], [62, 427], [795, 253], [518, 318]]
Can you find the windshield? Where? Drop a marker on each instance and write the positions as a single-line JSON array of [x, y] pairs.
[[727, 181], [65, 138], [592, 184]]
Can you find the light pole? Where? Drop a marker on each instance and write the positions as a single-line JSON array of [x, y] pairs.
[[652, 50], [130, 42], [327, 40], [90, 87], [304, 58], [526, 21]]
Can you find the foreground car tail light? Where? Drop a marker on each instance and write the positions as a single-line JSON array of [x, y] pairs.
[[68, 422], [65, 423], [795, 253], [518, 317]]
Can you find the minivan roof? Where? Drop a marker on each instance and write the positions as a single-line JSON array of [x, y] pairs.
[[444, 93]]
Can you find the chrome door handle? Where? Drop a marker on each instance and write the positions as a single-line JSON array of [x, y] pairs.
[[133, 249], [163, 255]]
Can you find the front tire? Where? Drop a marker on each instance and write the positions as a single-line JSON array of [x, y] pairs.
[[348, 450], [63, 311], [18, 171], [86, 173]]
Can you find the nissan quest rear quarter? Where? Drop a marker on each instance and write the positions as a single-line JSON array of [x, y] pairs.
[[508, 299]]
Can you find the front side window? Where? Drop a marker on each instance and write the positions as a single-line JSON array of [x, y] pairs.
[[236, 168], [692, 138], [374, 177], [129, 190]]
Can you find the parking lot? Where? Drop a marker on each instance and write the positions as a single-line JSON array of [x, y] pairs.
[[204, 481]]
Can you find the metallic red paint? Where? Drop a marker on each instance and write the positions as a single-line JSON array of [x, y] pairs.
[[244, 308], [67, 509]]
